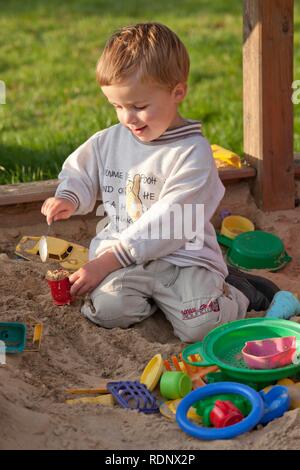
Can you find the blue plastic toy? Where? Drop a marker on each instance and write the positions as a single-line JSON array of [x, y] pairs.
[[245, 425], [276, 403], [133, 395], [13, 334], [284, 305]]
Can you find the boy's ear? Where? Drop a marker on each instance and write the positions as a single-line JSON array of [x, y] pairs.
[[179, 92]]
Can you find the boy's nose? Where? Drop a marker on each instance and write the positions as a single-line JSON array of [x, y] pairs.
[[129, 117]]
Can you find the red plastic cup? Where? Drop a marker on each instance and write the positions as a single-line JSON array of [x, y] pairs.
[[60, 290], [225, 413]]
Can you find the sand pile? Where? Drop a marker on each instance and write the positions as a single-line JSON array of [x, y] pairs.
[[77, 353]]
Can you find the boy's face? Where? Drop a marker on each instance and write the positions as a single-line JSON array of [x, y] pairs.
[[147, 109]]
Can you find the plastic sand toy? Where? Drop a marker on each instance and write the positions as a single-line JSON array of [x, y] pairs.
[[58, 281], [36, 340], [69, 255], [43, 246], [225, 413], [152, 372], [223, 346], [255, 250], [233, 225], [285, 304], [133, 395], [196, 373], [216, 377], [269, 353], [43, 249], [204, 407], [13, 334], [175, 384], [105, 400], [294, 394], [168, 410], [276, 403], [225, 158], [229, 432]]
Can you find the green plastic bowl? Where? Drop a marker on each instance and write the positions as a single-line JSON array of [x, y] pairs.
[[223, 347], [255, 250]]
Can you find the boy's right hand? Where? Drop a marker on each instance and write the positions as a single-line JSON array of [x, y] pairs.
[[55, 208]]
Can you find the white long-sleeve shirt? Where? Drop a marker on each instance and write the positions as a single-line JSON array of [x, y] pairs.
[[152, 193]]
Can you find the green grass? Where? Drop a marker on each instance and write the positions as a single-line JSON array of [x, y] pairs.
[[47, 60]]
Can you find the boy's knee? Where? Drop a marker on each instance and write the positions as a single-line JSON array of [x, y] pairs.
[[105, 309], [111, 310]]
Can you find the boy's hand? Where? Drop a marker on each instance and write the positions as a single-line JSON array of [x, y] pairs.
[[88, 277], [55, 208]]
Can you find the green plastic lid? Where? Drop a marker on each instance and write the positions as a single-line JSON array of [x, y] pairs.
[[258, 250]]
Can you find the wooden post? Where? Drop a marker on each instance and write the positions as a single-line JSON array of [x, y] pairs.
[[268, 107]]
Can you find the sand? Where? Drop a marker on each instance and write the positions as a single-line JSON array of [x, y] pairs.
[[76, 353]]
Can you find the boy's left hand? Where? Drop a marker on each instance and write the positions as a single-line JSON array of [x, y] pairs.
[[88, 277]]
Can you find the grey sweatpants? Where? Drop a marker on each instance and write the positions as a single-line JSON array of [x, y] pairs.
[[193, 299]]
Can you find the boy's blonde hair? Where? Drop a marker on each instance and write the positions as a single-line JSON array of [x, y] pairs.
[[151, 51]]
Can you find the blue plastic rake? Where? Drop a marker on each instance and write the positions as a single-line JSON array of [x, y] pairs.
[[133, 395]]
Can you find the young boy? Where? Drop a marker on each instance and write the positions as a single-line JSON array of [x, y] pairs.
[[151, 167]]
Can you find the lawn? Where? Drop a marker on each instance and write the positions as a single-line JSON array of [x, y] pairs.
[[47, 60]]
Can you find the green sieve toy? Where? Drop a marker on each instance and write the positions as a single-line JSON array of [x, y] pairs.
[[223, 347], [255, 250]]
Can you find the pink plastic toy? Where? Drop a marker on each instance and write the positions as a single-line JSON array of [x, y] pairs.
[[269, 353]]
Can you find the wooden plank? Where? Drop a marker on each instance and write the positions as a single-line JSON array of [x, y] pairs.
[[27, 192], [234, 174], [268, 108], [23, 193], [297, 167], [29, 214]]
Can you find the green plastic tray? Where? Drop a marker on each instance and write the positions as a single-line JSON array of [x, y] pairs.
[[223, 345], [14, 336], [255, 250]]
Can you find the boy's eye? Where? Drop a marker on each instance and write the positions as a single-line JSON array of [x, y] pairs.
[[137, 108]]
